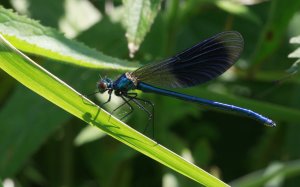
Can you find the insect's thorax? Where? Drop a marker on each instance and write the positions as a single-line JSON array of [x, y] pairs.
[[124, 83]]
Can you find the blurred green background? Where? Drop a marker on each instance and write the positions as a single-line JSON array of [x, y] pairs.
[[42, 145]]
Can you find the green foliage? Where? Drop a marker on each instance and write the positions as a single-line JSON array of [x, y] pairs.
[[50, 87], [138, 18], [274, 29], [30, 36], [42, 145]]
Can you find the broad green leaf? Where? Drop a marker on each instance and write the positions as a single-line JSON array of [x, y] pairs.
[[274, 30], [30, 36], [139, 16], [56, 91]]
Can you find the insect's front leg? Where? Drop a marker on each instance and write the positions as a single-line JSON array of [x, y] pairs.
[[109, 98], [135, 99], [130, 107]]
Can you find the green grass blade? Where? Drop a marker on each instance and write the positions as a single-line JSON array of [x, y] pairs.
[[30, 36], [50, 87]]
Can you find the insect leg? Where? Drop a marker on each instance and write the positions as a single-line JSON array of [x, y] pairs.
[[151, 116], [137, 101], [126, 102], [108, 100], [130, 107]]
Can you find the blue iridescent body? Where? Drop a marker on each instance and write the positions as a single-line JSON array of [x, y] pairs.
[[198, 64], [123, 84]]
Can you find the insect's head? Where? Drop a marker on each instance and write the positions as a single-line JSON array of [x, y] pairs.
[[104, 84]]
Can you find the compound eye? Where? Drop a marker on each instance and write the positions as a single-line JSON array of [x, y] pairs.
[[102, 86]]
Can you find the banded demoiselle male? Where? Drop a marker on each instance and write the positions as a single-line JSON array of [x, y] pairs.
[[203, 62]]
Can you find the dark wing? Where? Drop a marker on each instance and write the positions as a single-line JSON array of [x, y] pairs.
[[198, 64]]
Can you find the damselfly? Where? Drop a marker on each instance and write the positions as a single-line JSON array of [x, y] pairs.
[[196, 65]]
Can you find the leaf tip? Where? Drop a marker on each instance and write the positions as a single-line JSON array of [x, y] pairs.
[[132, 49]]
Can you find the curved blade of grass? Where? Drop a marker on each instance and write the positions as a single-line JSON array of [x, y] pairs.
[[53, 89], [30, 36]]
